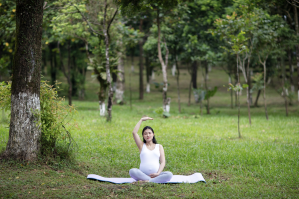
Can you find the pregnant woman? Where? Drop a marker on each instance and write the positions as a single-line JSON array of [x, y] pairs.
[[151, 152]]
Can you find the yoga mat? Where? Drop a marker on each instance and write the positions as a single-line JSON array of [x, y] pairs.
[[196, 177]]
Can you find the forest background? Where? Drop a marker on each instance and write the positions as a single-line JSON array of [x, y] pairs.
[[223, 72]]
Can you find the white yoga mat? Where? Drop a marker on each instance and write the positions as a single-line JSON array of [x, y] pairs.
[[194, 178]]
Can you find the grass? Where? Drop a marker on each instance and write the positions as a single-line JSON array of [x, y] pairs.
[[262, 164]]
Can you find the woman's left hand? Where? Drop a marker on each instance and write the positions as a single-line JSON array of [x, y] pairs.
[[153, 175]]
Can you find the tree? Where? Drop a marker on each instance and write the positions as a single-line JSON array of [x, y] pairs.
[[25, 132], [295, 5], [130, 7]]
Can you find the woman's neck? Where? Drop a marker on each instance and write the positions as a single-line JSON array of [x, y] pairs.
[[149, 143]]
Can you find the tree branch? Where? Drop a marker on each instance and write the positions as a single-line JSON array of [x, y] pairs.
[[110, 22], [85, 19]]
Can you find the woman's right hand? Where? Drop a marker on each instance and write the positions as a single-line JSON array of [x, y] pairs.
[[146, 118]]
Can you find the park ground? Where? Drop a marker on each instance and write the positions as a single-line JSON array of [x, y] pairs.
[[263, 163]]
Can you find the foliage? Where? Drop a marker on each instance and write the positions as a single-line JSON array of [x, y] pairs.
[[55, 118], [258, 82], [160, 111], [237, 88]]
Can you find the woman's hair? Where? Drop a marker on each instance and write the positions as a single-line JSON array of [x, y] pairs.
[[154, 139]]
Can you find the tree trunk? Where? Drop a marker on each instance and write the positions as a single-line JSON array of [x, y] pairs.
[[257, 98], [238, 97], [248, 91], [120, 86], [189, 96], [53, 63], [231, 93], [132, 61], [283, 84], [206, 86], [25, 131], [164, 65], [178, 83], [264, 96], [110, 92], [297, 47], [69, 80], [148, 74], [73, 75], [194, 74], [291, 70], [140, 63]]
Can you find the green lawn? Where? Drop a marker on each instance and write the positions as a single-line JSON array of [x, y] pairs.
[[262, 164]]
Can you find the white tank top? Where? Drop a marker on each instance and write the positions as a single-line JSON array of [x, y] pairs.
[[149, 160]]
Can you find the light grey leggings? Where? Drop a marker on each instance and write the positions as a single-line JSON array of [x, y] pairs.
[[137, 174]]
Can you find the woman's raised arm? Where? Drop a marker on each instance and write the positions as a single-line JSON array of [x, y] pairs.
[[137, 139]]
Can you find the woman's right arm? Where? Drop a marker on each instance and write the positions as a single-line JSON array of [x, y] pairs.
[[137, 139]]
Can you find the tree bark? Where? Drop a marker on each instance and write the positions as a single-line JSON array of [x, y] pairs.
[[25, 131], [141, 63]]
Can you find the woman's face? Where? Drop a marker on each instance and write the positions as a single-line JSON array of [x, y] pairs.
[[148, 135]]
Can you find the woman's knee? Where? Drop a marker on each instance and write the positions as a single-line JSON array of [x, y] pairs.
[[133, 171], [168, 174]]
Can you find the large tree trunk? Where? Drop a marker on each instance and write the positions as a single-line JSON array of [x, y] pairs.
[[25, 131], [141, 63], [297, 47], [110, 92]]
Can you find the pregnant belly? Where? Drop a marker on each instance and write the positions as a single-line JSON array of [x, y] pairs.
[[149, 169]]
